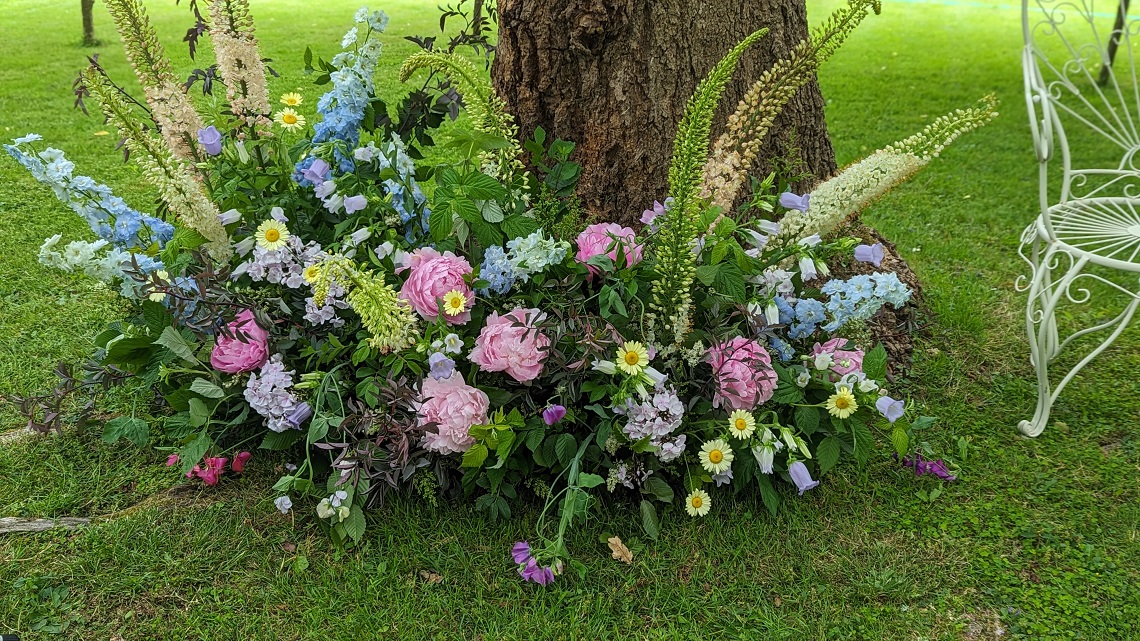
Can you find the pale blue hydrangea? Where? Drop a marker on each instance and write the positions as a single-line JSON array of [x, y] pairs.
[[534, 254], [787, 314], [783, 350], [809, 310], [497, 271], [860, 297]]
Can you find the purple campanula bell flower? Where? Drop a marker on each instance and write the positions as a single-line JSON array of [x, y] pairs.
[[353, 204], [229, 217], [553, 414], [801, 477], [788, 200], [890, 408], [870, 254], [211, 140], [441, 366], [317, 172], [299, 415]]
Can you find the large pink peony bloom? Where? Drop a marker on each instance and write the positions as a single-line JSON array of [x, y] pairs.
[[453, 407], [513, 344], [433, 276], [604, 238], [743, 372], [244, 353], [846, 361]]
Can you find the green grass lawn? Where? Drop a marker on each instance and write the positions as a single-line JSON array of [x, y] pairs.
[[1040, 537]]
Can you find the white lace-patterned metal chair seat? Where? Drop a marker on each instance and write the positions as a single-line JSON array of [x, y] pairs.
[[1080, 62]]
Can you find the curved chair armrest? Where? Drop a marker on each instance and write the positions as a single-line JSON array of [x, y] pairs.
[[1037, 100]]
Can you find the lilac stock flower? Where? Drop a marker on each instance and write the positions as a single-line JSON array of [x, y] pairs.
[[299, 415], [521, 552], [801, 477], [317, 172], [870, 254], [353, 204], [441, 366], [211, 140], [788, 200], [935, 467], [890, 408], [553, 414]]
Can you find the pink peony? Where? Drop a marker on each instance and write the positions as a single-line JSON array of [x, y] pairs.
[[603, 238], [453, 407], [433, 276], [511, 343], [744, 374], [246, 349], [846, 361]]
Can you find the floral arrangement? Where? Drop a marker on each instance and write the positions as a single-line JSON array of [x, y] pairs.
[[459, 329]]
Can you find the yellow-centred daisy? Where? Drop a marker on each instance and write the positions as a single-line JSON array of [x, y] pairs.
[[291, 99], [741, 424], [272, 234], [289, 119], [716, 456], [697, 503], [842, 403], [311, 273], [454, 303], [632, 358]]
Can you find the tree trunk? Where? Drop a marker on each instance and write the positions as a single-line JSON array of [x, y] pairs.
[[614, 76], [88, 7]]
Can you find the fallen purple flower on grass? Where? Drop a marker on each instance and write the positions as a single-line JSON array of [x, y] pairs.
[[521, 552], [935, 467], [529, 569]]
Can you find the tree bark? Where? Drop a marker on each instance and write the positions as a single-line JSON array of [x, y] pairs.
[[88, 6], [614, 76]]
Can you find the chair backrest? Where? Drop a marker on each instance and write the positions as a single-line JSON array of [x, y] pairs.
[[1080, 69]]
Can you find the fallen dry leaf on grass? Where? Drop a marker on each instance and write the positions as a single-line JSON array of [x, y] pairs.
[[620, 551], [431, 577]]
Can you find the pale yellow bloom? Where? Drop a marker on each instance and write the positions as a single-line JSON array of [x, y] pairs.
[[842, 403], [289, 119], [716, 456], [741, 424], [632, 358], [291, 99], [272, 234], [454, 303], [698, 503]]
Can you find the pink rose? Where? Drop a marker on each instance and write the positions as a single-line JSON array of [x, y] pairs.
[[433, 276], [604, 238], [453, 407], [246, 352], [846, 361], [744, 374], [511, 343]]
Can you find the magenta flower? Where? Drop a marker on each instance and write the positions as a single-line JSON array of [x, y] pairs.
[[211, 140], [240, 460], [936, 467], [172, 460], [870, 254], [604, 239], [215, 467], [553, 414], [788, 200], [433, 276], [542, 575], [801, 477]]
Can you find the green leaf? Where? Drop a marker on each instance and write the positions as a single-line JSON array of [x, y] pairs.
[[564, 448], [707, 274], [174, 341], [133, 429], [492, 212], [787, 393], [486, 233], [475, 456], [480, 186], [827, 454], [130, 351], [875, 363], [206, 388], [659, 488], [199, 412], [900, 441], [768, 493], [277, 441], [467, 210], [354, 525], [439, 223], [807, 419], [192, 452], [318, 429], [472, 143], [649, 521], [155, 316], [518, 226], [864, 440], [588, 481], [730, 282]]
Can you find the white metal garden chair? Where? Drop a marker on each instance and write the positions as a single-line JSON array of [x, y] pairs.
[[1080, 68]]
